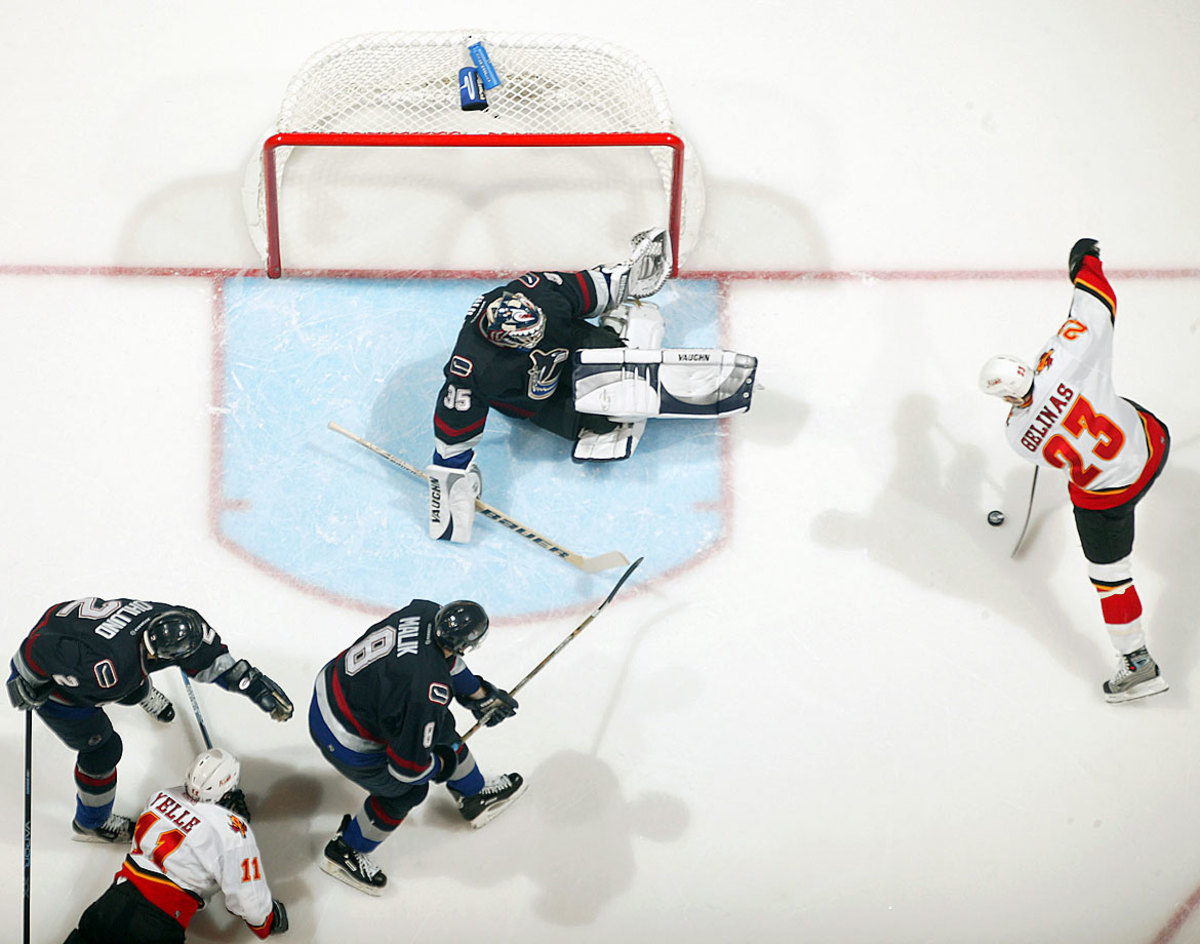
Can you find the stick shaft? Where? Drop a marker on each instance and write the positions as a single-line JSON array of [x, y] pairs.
[[1028, 512], [28, 817], [559, 648], [187, 683], [589, 565]]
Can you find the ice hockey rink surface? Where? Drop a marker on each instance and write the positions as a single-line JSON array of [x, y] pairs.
[[829, 707]]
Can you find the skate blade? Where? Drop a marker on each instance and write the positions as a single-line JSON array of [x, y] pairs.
[[496, 809], [1154, 686], [332, 868]]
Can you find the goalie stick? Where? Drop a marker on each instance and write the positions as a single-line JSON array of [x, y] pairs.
[[557, 649], [589, 565]]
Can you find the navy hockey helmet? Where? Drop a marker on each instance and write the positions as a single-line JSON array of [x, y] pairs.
[[460, 625], [173, 634], [512, 320]]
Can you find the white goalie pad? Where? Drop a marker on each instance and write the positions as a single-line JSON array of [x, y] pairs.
[[618, 443], [452, 494], [627, 385], [639, 324]]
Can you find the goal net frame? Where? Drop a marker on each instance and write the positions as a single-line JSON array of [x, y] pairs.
[[555, 91]]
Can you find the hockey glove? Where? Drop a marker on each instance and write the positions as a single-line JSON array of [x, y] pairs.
[[452, 494], [235, 801], [26, 696], [249, 681], [279, 921], [495, 705], [1082, 248], [447, 761]]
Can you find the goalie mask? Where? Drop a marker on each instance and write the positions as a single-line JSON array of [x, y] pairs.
[[1008, 378], [512, 320]]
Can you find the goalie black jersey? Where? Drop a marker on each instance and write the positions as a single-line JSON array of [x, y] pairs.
[[481, 375], [389, 694], [91, 649]]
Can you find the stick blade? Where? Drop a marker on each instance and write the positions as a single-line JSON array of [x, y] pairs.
[[601, 562]]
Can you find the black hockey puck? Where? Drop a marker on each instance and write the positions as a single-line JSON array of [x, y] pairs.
[[995, 518]]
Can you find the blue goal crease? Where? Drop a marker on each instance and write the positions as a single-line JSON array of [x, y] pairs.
[[343, 522]]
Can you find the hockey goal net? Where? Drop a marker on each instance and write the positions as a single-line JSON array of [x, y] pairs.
[[556, 93]]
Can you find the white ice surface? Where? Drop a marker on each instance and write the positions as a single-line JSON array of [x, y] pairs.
[[859, 721]]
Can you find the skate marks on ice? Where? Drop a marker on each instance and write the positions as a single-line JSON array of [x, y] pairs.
[[344, 524], [928, 523]]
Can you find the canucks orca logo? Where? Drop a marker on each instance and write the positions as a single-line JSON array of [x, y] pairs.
[[545, 372]]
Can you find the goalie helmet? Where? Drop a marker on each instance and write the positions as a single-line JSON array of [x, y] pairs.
[[1007, 377], [460, 625], [512, 320], [212, 775], [173, 634]]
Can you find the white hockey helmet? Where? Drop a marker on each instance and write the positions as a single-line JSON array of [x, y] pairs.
[[1007, 377], [512, 320], [211, 775]]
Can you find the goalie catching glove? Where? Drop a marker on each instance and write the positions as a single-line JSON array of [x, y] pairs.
[[452, 494], [643, 273]]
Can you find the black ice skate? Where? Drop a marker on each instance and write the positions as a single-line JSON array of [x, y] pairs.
[[114, 829], [354, 868], [158, 706], [483, 807], [1137, 676]]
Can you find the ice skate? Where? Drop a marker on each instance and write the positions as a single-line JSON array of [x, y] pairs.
[[481, 808], [354, 868], [114, 829], [1137, 676], [158, 706]]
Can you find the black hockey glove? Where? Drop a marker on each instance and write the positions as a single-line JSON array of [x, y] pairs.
[[449, 761], [26, 696], [1082, 248], [249, 681], [235, 801], [495, 705], [279, 921]]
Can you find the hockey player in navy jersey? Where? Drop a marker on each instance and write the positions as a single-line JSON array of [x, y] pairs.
[[1066, 415], [88, 653], [527, 350], [380, 714]]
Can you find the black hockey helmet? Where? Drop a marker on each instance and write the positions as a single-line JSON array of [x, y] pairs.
[[173, 634], [460, 625]]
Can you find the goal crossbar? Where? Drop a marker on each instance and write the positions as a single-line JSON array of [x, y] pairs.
[[459, 140]]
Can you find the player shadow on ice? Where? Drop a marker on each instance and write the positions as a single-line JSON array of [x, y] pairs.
[[928, 523], [572, 835]]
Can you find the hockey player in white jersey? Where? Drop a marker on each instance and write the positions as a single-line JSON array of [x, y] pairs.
[[1066, 415], [190, 842]]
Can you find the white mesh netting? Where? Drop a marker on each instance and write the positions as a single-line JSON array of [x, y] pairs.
[[403, 83]]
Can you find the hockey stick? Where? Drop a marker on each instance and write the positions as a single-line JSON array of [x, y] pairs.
[[1028, 512], [557, 649], [589, 565], [28, 814], [187, 683]]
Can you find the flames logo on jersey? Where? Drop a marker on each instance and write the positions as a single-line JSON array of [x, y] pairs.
[[1044, 361], [545, 372], [237, 825]]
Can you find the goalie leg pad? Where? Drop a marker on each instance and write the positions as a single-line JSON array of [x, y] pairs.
[[629, 384], [639, 324], [618, 443], [452, 494]]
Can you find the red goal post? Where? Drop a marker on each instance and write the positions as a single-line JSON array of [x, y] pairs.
[[400, 90]]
